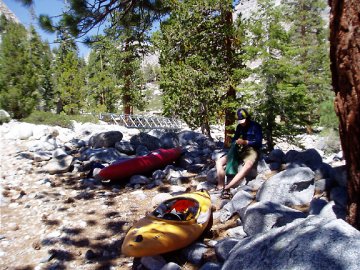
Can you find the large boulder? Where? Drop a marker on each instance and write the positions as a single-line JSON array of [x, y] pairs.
[[4, 117], [308, 158], [147, 140], [291, 187], [311, 243], [105, 139], [263, 216]]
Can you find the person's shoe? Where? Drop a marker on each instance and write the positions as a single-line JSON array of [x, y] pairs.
[[215, 190], [226, 194]]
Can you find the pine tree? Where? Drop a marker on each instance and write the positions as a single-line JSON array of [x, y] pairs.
[[130, 40], [277, 93], [69, 77], [103, 94], [40, 59], [196, 62], [308, 49], [47, 85], [18, 80]]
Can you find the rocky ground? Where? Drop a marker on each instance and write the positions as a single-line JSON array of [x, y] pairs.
[[57, 222], [55, 213]]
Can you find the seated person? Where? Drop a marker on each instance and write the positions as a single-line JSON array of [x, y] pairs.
[[248, 136]]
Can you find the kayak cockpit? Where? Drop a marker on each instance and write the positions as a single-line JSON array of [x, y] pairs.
[[179, 209]]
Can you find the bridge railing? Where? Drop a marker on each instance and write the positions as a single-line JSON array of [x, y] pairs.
[[141, 121]]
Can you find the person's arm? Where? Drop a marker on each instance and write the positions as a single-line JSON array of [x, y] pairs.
[[257, 140], [237, 134]]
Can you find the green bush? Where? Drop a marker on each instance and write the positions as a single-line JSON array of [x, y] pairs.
[[62, 120], [328, 118]]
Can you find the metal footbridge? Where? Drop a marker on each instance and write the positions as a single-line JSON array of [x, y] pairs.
[[141, 121]]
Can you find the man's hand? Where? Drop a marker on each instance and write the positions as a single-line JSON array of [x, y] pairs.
[[241, 142]]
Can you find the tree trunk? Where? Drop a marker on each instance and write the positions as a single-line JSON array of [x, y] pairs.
[[229, 118], [345, 68], [231, 93]]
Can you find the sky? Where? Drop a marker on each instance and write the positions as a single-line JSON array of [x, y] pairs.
[[46, 7]]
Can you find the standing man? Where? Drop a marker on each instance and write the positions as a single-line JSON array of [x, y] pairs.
[[248, 140]]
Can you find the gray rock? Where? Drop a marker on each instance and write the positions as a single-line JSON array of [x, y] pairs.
[[42, 156], [171, 266], [316, 205], [125, 147], [263, 216], [205, 186], [256, 183], [185, 161], [211, 176], [339, 196], [223, 248], [224, 215], [195, 253], [195, 168], [24, 131], [105, 139], [322, 185], [38, 146], [169, 140], [262, 166], [239, 202], [90, 182], [75, 143], [333, 211], [58, 165], [210, 266], [153, 262], [158, 175], [236, 232], [188, 137], [150, 142], [324, 171], [294, 186], [276, 155], [4, 117], [159, 198], [58, 153], [340, 175], [139, 179], [308, 158], [313, 243], [141, 150], [102, 155], [175, 177], [157, 133], [275, 166]]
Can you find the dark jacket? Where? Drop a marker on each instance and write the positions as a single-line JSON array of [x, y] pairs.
[[252, 132]]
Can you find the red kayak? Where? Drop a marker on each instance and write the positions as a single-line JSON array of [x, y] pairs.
[[139, 165]]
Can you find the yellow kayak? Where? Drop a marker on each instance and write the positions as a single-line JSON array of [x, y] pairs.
[[174, 224]]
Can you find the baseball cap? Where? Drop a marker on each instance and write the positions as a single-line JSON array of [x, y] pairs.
[[242, 115]]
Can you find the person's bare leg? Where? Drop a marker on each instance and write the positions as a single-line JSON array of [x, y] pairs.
[[241, 174], [220, 172]]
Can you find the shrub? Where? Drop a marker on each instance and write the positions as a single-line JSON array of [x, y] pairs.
[[331, 140], [328, 118], [62, 120]]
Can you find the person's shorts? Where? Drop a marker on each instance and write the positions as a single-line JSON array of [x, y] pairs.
[[249, 154]]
